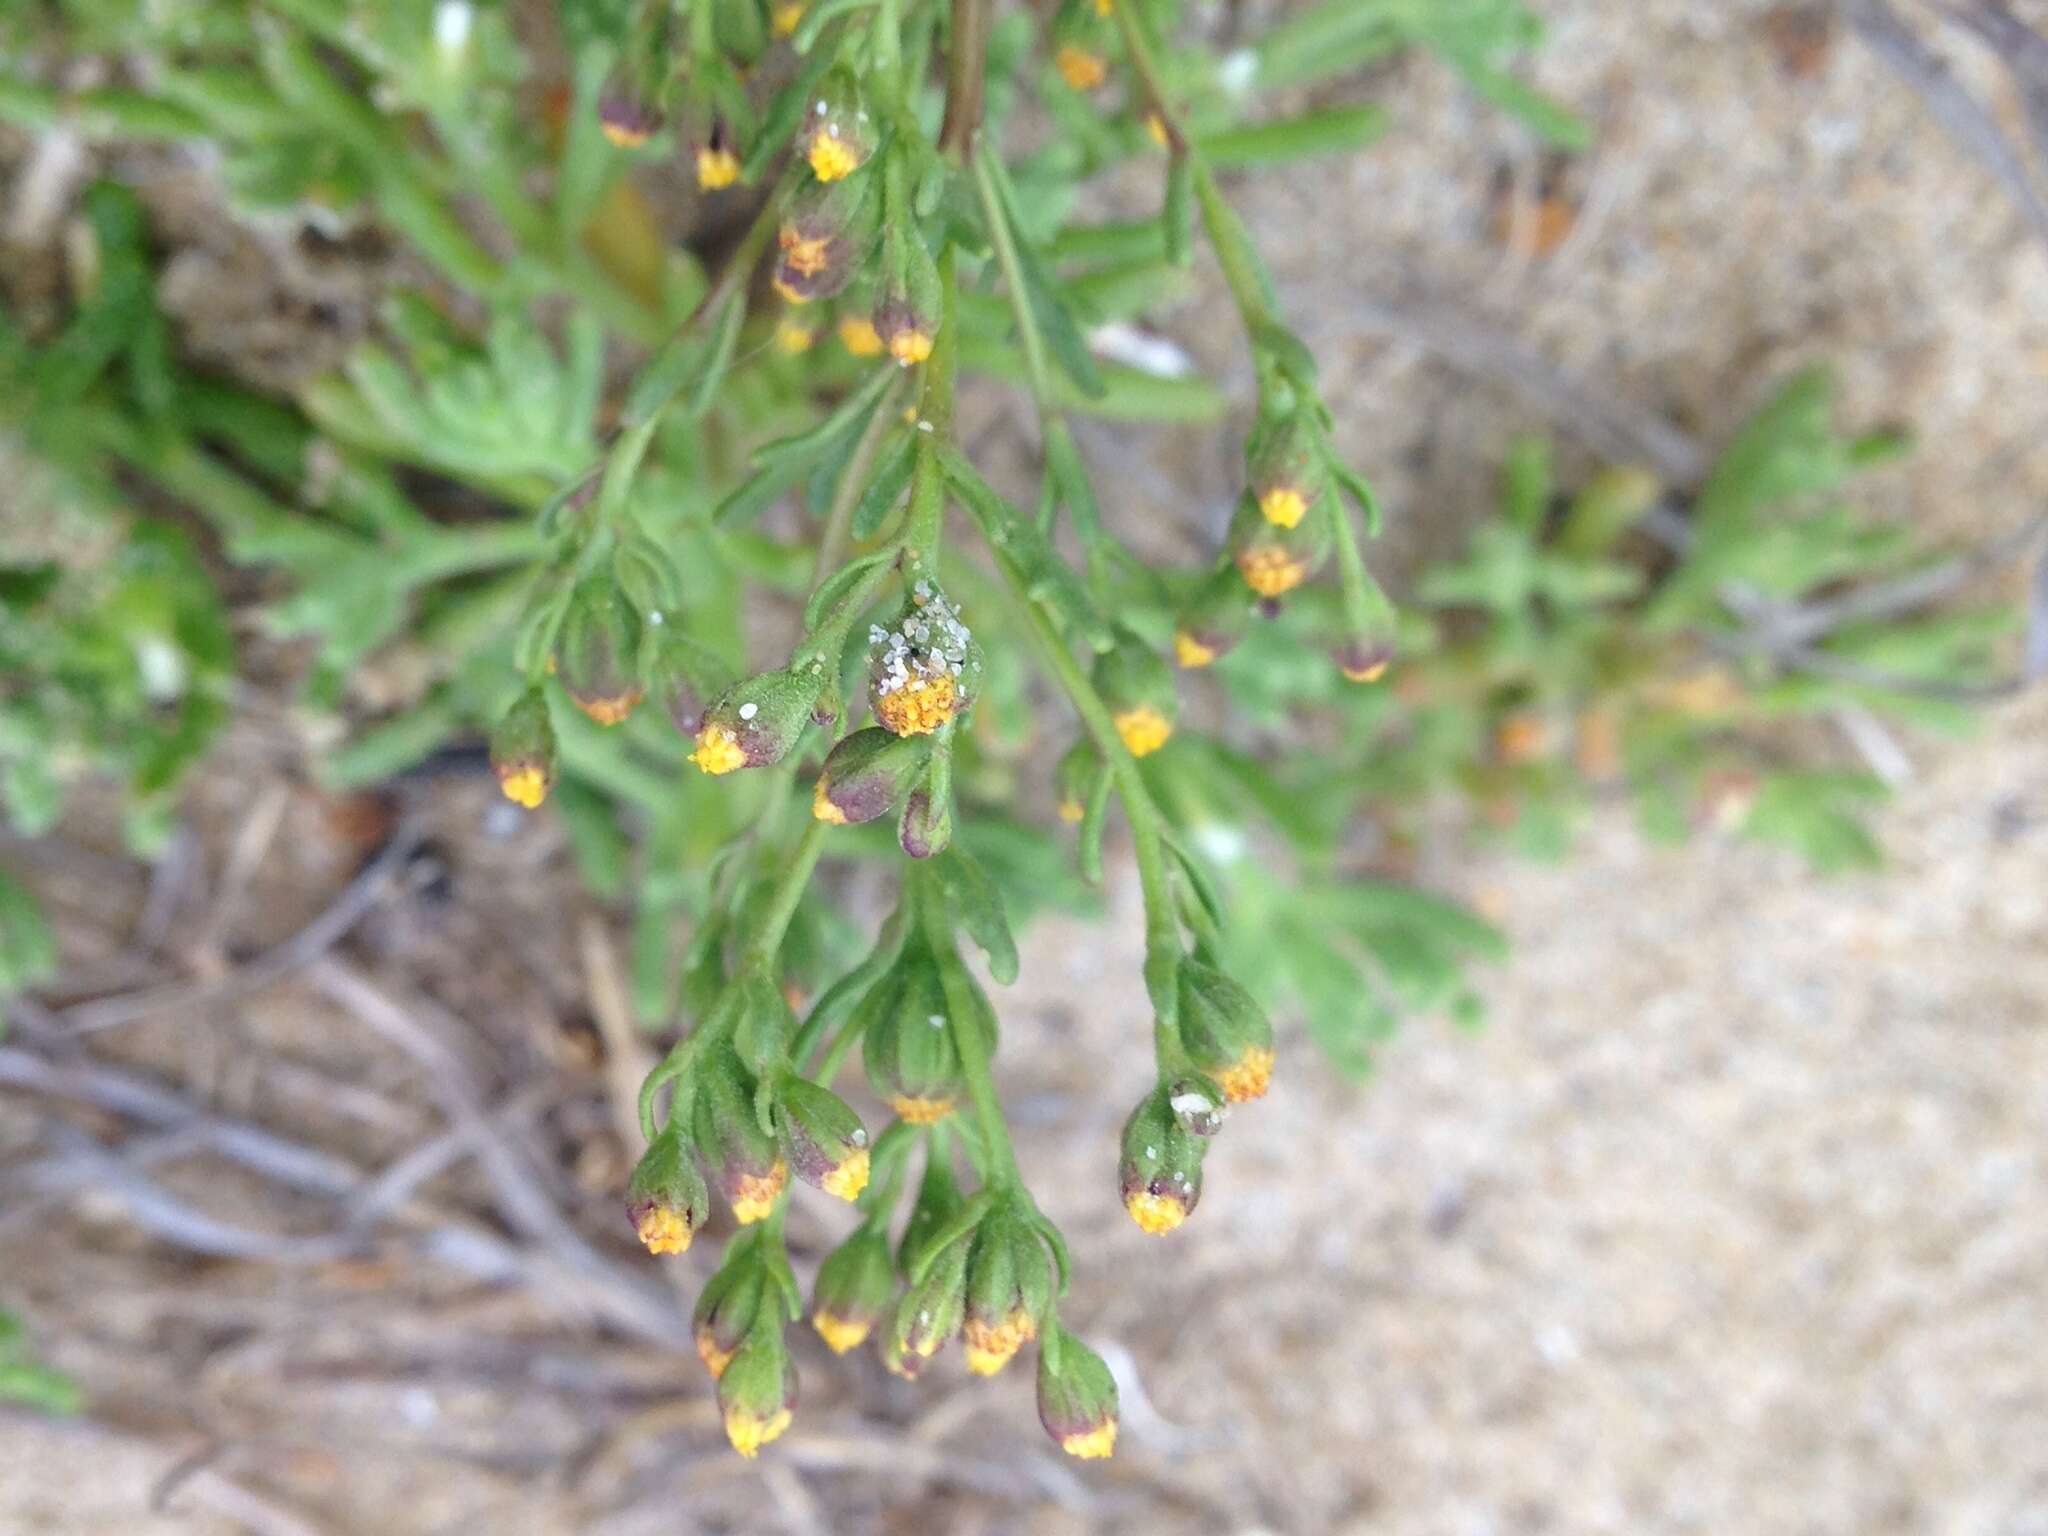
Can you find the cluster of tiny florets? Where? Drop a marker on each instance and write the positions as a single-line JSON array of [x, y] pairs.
[[923, 668]]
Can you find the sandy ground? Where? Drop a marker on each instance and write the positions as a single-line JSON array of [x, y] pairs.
[[1733, 1220]]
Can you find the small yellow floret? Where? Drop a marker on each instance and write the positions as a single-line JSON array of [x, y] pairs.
[[757, 1193], [526, 785], [1249, 1076], [715, 1358], [748, 1431], [1092, 1444], [1079, 68], [1156, 1214], [625, 135], [1072, 810], [910, 346], [1366, 674], [610, 711], [823, 808], [991, 1346], [664, 1229], [718, 750], [857, 334], [787, 17], [840, 1333], [917, 1111], [793, 336], [806, 254], [1190, 652], [920, 706], [832, 157], [716, 168], [1143, 729], [1269, 570], [1155, 127], [847, 1180], [1283, 506]]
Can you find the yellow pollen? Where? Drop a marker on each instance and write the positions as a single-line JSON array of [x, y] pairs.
[[748, 1431], [1368, 674], [1156, 1214], [1249, 1076], [1091, 1444], [524, 784], [664, 1229], [716, 168], [786, 18], [1143, 729], [756, 1193], [823, 808], [1072, 810], [832, 157], [857, 334], [1155, 127], [1283, 505], [610, 711], [917, 1111], [1190, 652], [806, 254], [718, 750], [1269, 570], [847, 1180], [840, 1333], [715, 1358], [1079, 68], [920, 706], [911, 346], [991, 1346], [793, 336]]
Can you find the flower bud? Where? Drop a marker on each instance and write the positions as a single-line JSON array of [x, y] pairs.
[[757, 1390], [858, 335], [838, 136], [907, 334], [1082, 68], [1076, 1396], [907, 319], [523, 750], [744, 1160], [1274, 560], [931, 1309], [596, 650], [855, 1286], [757, 720], [785, 16], [822, 1138], [925, 829], [866, 774], [739, 1294], [1285, 465], [718, 164], [683, 675], [1199, 1104], [1225, 1031], [1160, 1174], [666, 1198], [822, 239], [627, 120], [1214, 620], [1075, 777], [907, 1042], [924, 669], [1364, 661], [1137, 685], [764, 1026], [1009, 1286]]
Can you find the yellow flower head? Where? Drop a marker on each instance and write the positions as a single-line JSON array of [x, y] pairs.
[[1092, 1444], [847, 1180], [857, 334], [991, 1345], [718, 750], [787, 16], [1270, 570], [1249, 1076], [664, 1229], [754, 1194], [1155, 129], [716, 1357], [1371, 672], [806, 254], [916, 1111], [920, 706], [612, 709], [1143, 729], [1190, 652], [524, 784], [840, 1333], [748, 1431], [793, 336], [1072, 810], [823, 808], [832, 157], [717, 167], [1156, 1214], [1082, 70], [910, 346], [1284, 506]]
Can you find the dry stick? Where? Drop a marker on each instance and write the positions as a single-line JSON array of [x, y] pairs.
[[280, 960], [1961, 114]]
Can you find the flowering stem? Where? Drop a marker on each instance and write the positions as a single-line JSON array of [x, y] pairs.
[[967, 1038], [966, 67], [852, 482], [934, 427], [1005, 241], [789, 890]]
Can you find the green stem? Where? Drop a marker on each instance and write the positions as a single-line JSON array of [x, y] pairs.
[[852, 482], [996, 213], [967, 1039], [789, 890], [934, 427]]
